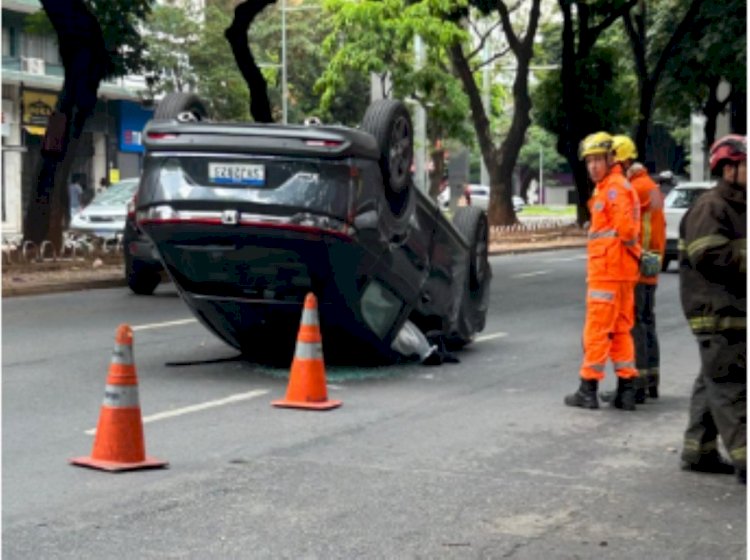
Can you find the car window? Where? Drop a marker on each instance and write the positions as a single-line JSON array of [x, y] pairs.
[[292, 185], [682, 198], [118, 194]]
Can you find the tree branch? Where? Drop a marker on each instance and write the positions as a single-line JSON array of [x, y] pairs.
[[510, 34], [490, 60], [675, 39], [483, 38], [590, 35]]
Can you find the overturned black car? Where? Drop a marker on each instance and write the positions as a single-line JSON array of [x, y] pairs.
[[248, 218]]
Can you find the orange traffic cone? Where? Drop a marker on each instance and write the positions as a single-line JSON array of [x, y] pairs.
[[118, 445], [307, 379]]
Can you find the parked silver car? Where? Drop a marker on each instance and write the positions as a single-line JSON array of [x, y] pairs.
[[479, 195], [105, 215]]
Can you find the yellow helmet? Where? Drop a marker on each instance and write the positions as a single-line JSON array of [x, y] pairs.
[[597, 143], [624, 148]]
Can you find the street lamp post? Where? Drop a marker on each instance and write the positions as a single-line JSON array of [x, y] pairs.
[[284, 102]]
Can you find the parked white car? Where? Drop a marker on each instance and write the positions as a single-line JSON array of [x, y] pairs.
[[676, 204], [480, 197]]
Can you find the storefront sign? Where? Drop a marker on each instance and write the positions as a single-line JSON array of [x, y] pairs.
[[37, 108], [133, 118]]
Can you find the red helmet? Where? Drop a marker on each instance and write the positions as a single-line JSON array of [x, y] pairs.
[[732, 147]]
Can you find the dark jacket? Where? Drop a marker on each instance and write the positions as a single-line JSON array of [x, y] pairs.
[[713, 247]]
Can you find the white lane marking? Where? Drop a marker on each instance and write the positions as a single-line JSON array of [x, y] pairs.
[[198, 407], [530, 274], [490, 336], [164, 325], [566, 259]]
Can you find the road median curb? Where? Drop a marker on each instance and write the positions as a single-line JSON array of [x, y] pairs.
[[31, 281]]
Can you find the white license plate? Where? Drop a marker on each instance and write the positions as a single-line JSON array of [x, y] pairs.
[[237, 174]]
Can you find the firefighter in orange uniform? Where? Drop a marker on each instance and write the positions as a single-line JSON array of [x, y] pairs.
[[653, 243], [612, 271]]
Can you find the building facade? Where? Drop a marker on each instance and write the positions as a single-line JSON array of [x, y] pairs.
[[32, 77]]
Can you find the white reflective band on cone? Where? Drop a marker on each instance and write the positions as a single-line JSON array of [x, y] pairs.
[[121, 396], [122, 354], [309, 317], [309, 351]]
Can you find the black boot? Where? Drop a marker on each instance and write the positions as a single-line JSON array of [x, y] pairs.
[[709, 463], [652, 381], [624, 397], [640, 383], [742, 476], [585, 396]]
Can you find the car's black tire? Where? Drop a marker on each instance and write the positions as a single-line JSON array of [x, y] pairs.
[[142, 281], [472, 223], [388, 120], [665, 263], [181, 106]]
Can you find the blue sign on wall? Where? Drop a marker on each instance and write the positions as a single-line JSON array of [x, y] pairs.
[[133, 118]]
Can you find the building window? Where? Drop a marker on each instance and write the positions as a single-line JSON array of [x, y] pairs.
[[10, 41]]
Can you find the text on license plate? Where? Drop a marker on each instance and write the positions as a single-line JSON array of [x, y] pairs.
[[236, 174]]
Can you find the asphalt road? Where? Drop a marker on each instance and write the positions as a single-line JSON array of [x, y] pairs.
[[474, 460]]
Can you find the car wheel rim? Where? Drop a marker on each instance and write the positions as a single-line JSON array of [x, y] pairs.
[[188, 116], [400, 149]]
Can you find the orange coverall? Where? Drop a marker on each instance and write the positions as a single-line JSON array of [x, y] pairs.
[[613, 269], [653, 224]]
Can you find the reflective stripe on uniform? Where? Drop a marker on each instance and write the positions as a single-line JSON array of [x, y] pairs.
[[309, 351], [630, 243], [702, 244], [696, 446], [739, 454], [595, 367], [713, 323], [122, 354], [623, 365], [603, 233], [602, 295], [120, 396], [646, 236]]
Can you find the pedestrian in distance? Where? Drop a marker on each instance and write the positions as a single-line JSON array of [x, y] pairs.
[[612, 271], [653, 240], [713, 290], [75, 194]]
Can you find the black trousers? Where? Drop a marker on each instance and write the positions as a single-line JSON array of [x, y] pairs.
[[644, 335], [719, 400]]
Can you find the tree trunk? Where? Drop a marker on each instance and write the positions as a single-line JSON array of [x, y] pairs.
[[527, 175], [438, 167], [86, 62], [236, 35], [567, 141], [500, 212]]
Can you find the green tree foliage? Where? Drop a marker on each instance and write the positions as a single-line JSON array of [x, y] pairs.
[[378, 37], [714, 49], [120, 21], [218, 80], [170, 34], [655, 31], [608, 96]]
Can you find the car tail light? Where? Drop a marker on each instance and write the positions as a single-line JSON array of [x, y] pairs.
[[323, 143], [161, 136]]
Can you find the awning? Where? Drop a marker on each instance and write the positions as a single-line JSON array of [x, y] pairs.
[[35, 130]]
